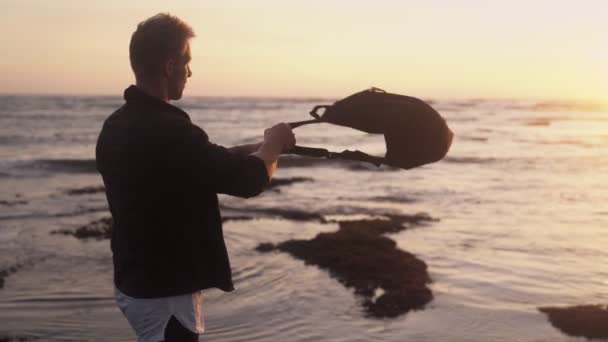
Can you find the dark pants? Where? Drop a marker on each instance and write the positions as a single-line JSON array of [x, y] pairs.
[[176, 332]]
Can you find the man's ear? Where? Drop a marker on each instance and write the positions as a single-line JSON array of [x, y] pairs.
[[169, 67]]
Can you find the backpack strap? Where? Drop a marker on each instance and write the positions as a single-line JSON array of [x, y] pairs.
[[314, 113], [302, 123]]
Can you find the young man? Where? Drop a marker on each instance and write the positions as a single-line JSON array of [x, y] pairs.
[[162, 177]]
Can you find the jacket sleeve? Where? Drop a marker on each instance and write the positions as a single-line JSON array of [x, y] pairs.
[[222, 171]]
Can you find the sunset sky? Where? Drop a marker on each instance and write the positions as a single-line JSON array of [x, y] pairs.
[[555, 49]]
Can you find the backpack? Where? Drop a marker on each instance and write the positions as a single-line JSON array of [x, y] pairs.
[[415, 134]]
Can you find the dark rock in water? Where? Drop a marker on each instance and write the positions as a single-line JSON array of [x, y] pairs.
[[360, 257], [393, 199], [67, 165], [390, 224], [10, 203], [16, 338], [8, 271], [359, 166], [293, 214], [470, 160], [265, 247], [277, 182], [86, 190], [237, 218], [298, 161], [99, 229], [590, 321]]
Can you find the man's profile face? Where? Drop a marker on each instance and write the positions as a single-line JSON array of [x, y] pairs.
[[181, 71]]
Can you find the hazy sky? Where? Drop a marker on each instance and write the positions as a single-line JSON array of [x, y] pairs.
[[426, 48]]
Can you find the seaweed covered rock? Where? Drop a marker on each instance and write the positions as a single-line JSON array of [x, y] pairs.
[[17, 338], [86, 190], [359, 256], [99, 229], [265, 247], [237, 218], [590, 321], [11, 203], [275, 182], [4, 273]]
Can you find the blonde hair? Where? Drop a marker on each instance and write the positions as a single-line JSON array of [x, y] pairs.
[[155, 40]]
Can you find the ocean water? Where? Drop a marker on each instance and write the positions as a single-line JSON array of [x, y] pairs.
[[521, 201]]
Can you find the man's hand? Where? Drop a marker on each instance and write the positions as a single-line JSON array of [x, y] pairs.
[[277, 139], [280, 136]]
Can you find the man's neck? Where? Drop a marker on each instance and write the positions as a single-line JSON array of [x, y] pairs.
[[157, 90]]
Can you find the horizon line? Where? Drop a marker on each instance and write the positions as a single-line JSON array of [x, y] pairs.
[[577, 100]]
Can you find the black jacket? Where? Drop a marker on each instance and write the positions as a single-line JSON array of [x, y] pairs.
[[162, 177]]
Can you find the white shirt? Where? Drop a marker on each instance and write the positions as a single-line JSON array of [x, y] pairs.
[[149, 316]]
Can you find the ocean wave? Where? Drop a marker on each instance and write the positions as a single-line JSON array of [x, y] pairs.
[[516, 105], [539, 122], [473, 138], [66, 165], [42, 167], [401, 199], [394, 199], [571, 142], [340, 211], [549, 120], [284, 213], [41, 215], [547, 106], [568, 142], [290, 161], [469, 160]]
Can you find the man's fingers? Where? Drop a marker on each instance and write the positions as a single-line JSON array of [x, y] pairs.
[[280, 134]]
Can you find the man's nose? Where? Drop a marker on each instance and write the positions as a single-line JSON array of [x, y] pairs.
[[189, 72]]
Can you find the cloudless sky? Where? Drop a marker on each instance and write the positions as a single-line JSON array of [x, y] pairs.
[[427, 48]]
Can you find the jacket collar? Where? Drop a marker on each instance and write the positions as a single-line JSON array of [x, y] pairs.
[[136, 97]]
